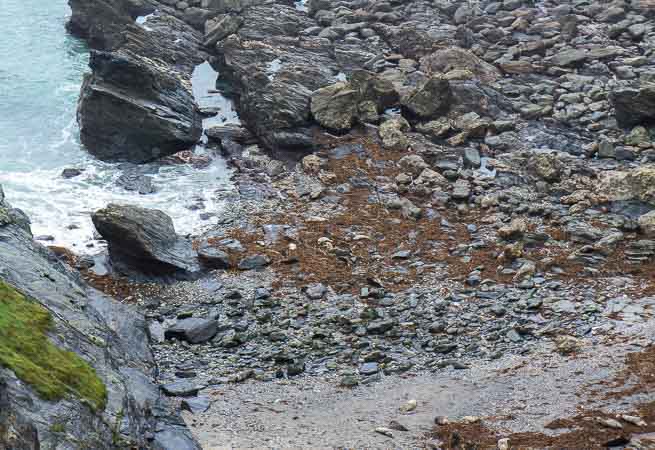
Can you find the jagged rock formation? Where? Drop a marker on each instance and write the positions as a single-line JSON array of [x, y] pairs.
[[133, 109]]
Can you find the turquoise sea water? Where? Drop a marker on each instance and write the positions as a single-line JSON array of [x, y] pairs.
[[41, 69]]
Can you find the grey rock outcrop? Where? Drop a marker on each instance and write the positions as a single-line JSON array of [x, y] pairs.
[[430, 98], [634, 105], [110, 336], [144, 240], [102, 22]]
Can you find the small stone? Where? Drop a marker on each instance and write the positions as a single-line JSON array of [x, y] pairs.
[[402, 254], [349, 381], [567, 344], [254, 262], [196, 405], [384, 431], [397, 426], [369, 368], [71, 173], [503, 444], [315, 291], [180, 389], [472, 158], [380, 326]]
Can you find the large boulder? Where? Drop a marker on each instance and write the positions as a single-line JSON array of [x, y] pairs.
[[144, 240], [633, 105], [454, 58], [429, 99], [340, 105], [335, 106], [106, 335], [637, 184], [134, 109]]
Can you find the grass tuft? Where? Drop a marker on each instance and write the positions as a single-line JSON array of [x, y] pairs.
[[25, 349]]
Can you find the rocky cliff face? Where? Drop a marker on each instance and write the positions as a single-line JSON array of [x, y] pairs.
[[109, 336]]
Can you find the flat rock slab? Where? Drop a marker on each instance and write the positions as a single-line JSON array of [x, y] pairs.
[[181, 389]]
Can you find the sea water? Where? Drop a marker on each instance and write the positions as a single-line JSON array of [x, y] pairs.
[[41, 71]]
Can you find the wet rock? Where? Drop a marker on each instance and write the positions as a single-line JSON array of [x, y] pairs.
[[349, 381], [569, 58], [134, 181], [380, 326], [194, 330], [133, 110], [69, 173], [606, 150], [101, 24], [472, 158], [144, 240]]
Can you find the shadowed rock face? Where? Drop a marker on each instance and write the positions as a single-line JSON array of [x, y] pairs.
[[133, 109], [634, 105], [144, 240], [110, 336]]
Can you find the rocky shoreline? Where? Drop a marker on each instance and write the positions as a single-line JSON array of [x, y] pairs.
[[438, 191]]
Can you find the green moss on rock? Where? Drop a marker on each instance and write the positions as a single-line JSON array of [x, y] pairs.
[[25, 349]]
